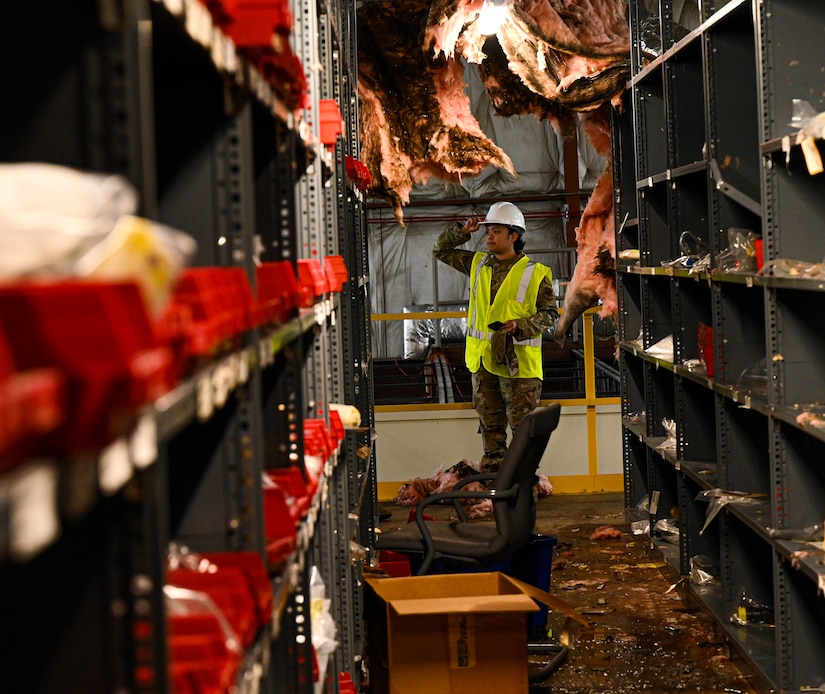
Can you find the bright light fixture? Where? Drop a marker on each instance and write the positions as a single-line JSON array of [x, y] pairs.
[[491, 17]]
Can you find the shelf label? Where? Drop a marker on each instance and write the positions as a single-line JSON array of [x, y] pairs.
[[198, 22], [114, 467], [243, 368], [813, 160], [654, 502], [143, 443], [33, 518], [174, 6], [203, 393]]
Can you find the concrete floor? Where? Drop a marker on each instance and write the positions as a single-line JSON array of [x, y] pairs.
[[640, 636]]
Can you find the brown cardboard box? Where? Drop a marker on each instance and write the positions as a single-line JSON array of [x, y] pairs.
[[448, 634]]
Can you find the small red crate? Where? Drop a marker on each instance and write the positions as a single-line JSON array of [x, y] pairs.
[[312, 282], [337, 266], [336, 425], [705, 347], [330, 123], [99, 335], [32, 403], [292, 481], [254, 570], [278, 293], [252, 23], [228, 588], [252, 311]]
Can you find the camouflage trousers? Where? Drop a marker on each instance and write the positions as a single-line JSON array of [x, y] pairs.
[[500, 401]]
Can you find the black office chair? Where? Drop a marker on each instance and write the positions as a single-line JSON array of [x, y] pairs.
[[514, 508]]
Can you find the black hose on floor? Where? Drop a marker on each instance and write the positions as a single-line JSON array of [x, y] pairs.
[[545, 671]]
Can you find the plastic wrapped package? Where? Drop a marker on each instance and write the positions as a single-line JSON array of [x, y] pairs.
[[419, 333], [740, 255], [151, 254], [322, 625], [50, 215], [717, 498], [703, 571]]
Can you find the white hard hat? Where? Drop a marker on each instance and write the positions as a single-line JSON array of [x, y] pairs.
[[505, 213]]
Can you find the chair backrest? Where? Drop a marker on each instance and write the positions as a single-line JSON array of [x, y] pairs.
[[516, 518]]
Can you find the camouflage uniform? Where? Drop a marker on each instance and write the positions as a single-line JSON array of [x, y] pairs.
[[498, 400]]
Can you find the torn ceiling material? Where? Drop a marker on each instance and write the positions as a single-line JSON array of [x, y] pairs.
[[558, 60]]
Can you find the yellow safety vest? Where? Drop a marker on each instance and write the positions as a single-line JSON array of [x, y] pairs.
[[516, 298]]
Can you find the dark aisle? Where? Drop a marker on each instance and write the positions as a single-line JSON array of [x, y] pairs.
[[641, 635]]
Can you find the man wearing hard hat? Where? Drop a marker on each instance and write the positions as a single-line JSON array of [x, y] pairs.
[[511, 304]]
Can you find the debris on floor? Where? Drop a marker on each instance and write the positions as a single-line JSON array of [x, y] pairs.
[[642, 633]]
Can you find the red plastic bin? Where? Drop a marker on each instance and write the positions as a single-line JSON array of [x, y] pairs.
[[252, 566], [252, 311], [278, 293], [331, 125], [312, 282], [251, 23], [100, 336], [32, 403], [291, 479], [279, 525], [334, 265], [229, 589]]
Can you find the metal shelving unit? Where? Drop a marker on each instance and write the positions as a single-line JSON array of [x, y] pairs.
[[705, 145], [154, 91]]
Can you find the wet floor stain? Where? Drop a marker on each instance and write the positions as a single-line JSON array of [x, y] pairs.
[[642, 635]]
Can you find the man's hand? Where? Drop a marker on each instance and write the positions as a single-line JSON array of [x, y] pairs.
[[471, 225]]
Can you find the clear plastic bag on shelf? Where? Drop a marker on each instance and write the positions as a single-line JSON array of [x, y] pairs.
[[740, 255], [670, 435], [717, 498], [754, 378], [663, 348], [694, 250], [812, 533], [748, 611], [668, 530], [323, 629], [793, 269], [151, 254], [58, 222], [50, 215], [703, 571]]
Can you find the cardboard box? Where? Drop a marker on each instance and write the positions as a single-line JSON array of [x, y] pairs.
[[448, 634]]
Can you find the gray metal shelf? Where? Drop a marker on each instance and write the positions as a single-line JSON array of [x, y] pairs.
[[153, 90], [755, 425]]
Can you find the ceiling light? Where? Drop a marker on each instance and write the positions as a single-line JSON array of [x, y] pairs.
[[491, 17]]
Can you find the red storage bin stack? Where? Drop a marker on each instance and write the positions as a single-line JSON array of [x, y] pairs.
[[210, 308], [358, 173], [279, 524], [345, 684], [312, 282], [32, 403], [336, 426], [330, 122], [204, 651], [252, 23], [100, 337], [278, 293], [252, 566], [208, 325], [299, 492], [227, 587], [251, 310], [334, 266]]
